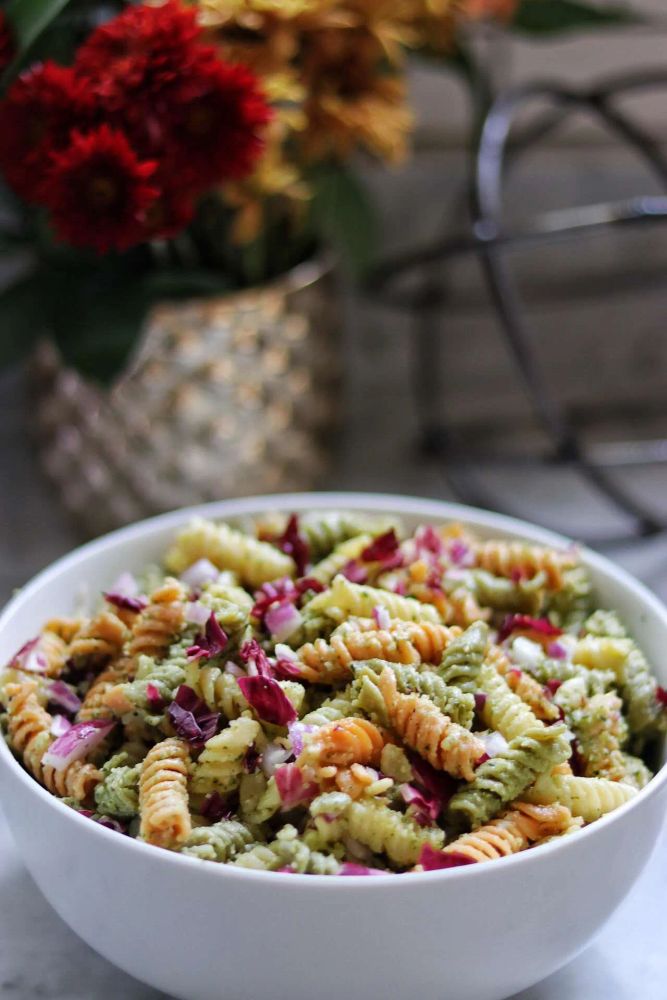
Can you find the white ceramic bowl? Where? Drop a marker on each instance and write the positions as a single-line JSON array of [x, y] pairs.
[[203, 932]]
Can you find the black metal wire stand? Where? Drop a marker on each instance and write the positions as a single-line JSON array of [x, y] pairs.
[[491, 242]]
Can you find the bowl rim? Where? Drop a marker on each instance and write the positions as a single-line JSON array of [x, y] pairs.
[[325, 500]]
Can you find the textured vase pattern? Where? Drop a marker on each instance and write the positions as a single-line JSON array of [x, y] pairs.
[[224, 397]]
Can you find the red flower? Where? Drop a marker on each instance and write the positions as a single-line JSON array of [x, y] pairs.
[[128, 61], [7, 47], [172, 210], [218, 112], [175, 100], [99, 191], [36, 119]]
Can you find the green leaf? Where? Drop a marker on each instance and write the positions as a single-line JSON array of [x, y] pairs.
[[29, 18], [96, 310], [343, 215], [21, 318], [547, 17]]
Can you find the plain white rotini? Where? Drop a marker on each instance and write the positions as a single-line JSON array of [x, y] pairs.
[[344, 598], [589, 798], [253, 561], [220, 764]]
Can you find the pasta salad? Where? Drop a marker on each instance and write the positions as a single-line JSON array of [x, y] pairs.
[[328, 694]]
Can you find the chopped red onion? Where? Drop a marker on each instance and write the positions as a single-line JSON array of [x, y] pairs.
[[61, 694], [273, 756], [196, 613], [355, 571], [215, 808], [212, 643], [76, 743], [153, 697], [282, 620], [191, 717], [297, 730], [59, 725], [425, 806], [525, 623], [494, 742], [461, 554], [350, 868], [428, 540], [661, 695], [111, 824], [292, 788], [284, 589], [577, 759], [29, 658], [381, 616], [552, 685], [252, 760], [482, 760], [439, 784], [480, 700], [287, 870], [456, 573], [124, 593], [126, 584], [234, 669], [295, 544], [199, 574], [268, 699], [135, 604], [432, 860], [557, 651], [256, 661]]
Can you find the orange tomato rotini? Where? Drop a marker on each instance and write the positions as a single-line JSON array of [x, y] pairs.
[[29, 730], [163, 794], [345, 742], [158, 624], [94, 704], [443, 743], [524, 824], [505, 558], [330, 662], [66, 628], [99, 640], [522, 684]]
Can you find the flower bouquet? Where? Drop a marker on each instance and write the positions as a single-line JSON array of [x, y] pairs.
[[157, 150], [168, 169]]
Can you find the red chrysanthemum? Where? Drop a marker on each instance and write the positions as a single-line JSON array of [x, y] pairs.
[[218, 113], [36, 118], [7, 47], [99, 192], [128, 61]]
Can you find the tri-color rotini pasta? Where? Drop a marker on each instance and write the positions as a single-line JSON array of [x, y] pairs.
[[326, 694]]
